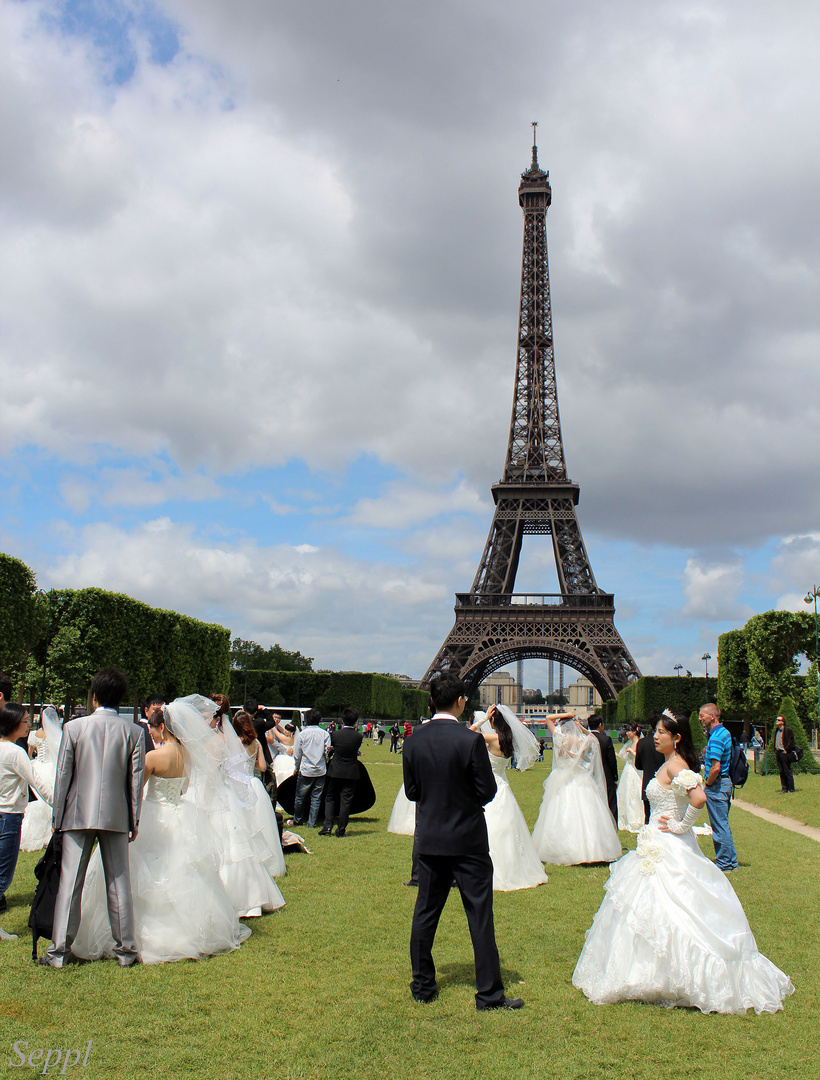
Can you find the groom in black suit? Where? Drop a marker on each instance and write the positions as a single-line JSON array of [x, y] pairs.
[[447, 773]]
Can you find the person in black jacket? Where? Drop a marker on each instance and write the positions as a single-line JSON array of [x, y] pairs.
[[342, 773], [447, 773], [783, 747], [648, 760], [610, 762]]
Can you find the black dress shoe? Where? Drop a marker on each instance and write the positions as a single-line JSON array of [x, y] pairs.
[[341, 832], [425, 1000], [4, 904], [411, 884], [325, 832], [505, 1003]]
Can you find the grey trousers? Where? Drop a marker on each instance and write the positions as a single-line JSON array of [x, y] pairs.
[[77, 847]]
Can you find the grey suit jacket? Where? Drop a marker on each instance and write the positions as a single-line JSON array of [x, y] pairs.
[[99, 774]]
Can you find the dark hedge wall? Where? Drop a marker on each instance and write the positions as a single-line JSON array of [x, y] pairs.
[[652, 692]]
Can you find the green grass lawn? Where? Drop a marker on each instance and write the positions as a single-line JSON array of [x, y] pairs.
[[321, 988], [803, 804]]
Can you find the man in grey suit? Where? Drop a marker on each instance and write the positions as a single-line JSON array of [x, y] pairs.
[[98, 795]]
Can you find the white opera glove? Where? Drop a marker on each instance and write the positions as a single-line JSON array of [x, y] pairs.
[[686, 823]]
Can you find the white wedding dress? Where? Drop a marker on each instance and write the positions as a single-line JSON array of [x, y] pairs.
[[36, 831], [631, 815], [181, 907], [403, 815], [515, 861], [671, 930], [245, 819], [574, 825]]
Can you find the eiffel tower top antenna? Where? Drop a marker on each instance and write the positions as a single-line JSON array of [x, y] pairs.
[[534, 145]]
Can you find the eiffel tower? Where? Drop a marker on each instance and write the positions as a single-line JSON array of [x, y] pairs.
[[496, 626]]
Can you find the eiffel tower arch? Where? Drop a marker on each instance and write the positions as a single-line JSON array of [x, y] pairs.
[[494, 625]]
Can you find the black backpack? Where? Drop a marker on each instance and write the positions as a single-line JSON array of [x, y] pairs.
[[47, 872], [738, 765]]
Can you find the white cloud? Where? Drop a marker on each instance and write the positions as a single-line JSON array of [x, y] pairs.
[[795, 570], [313, 598], [404, 505], [711, 590]]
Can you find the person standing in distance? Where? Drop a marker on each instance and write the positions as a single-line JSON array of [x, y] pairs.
[[447, 773], [596, 727], [342, 773], [783, 746], [718, 783], [98, 796]]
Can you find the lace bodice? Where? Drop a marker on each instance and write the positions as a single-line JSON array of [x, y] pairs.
[[499, 767], [165, 789], [41, 746], [672, 800]]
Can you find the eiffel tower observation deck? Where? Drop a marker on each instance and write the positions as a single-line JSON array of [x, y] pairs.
[[496, 626]]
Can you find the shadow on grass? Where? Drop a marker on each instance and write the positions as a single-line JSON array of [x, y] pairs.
[[464, 975]]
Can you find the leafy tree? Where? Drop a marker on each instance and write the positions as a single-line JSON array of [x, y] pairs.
[[733, 675], [809, 698], [534, 699], [808, 763], [20, 625], [773, 640], [251, 656]]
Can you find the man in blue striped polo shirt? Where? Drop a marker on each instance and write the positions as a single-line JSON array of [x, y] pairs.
[[718, 783]]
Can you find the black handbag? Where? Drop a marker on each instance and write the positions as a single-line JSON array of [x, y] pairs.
[[796, 754]]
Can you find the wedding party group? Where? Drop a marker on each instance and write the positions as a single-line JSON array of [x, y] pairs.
[[670, 930], [168, 839], [163, 850]]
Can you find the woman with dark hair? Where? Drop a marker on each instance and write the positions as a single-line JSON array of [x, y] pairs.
[[16, 776], [671, 930], [515, 861], [182, 910], [630, 803], [223, 708]]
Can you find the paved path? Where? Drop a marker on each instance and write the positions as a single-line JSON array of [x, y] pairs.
[[779, 819]]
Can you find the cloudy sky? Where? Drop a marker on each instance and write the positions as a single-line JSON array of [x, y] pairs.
[[260, 270]]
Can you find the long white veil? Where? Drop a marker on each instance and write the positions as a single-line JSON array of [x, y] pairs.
[[53, 731], [525, 745], [576, 750], [189, 720]]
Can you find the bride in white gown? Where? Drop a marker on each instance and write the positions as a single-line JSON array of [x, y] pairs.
[[244, 817], [515, 861], [671, 929], [574, 824], [181, 907], [630, 803], [36, 831]]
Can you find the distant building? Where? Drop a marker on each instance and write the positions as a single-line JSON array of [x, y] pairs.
[[498, 689], [583, 697]]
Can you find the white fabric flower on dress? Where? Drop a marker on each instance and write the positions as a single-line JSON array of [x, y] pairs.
[[649, 853], [685, 781]]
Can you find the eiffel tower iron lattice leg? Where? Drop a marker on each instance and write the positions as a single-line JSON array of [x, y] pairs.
[[494, 625]]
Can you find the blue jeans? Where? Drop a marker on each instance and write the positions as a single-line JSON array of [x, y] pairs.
[[718, 801], [11, 826], [308, 787]]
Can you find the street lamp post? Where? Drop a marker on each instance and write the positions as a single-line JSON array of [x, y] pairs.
[[706, 658], [678, 668], [810, 597]]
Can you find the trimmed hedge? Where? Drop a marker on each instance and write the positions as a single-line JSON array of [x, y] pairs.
[[653, 692], [376, 697]]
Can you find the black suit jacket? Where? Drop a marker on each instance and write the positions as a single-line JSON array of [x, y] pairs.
[[147, 739], [788, 739], [344, 765], [447, 773], [647, 760], [608, 758]]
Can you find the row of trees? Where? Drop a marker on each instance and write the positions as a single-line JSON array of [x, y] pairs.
[[52, 644]]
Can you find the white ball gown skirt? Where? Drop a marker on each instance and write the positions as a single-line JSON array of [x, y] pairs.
[[253, 851], [283, 767], [403, 815], [181, 908], [631, 816], [515, 861], [671, 931], [574, 825]]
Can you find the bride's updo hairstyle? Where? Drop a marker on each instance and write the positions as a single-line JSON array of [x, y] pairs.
[[677, 724], [502, 730], [243, 726]]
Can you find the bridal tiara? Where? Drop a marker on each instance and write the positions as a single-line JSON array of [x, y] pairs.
[[671, 715]]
